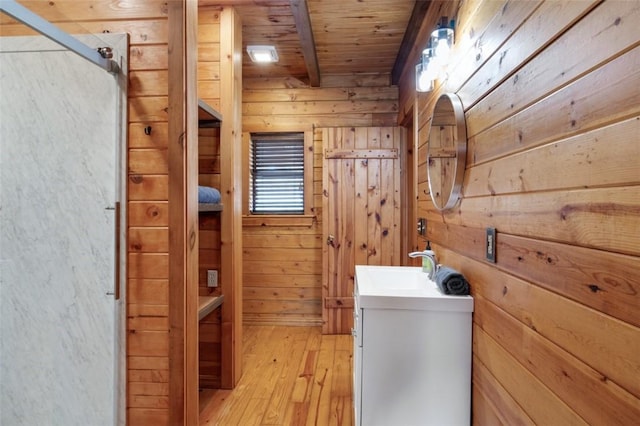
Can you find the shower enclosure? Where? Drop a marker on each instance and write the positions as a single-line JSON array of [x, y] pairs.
[[62, 198]]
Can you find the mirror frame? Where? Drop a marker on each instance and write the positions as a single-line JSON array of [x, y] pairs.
[[451, 105]]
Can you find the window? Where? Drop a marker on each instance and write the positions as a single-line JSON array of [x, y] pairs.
[[276, 168]]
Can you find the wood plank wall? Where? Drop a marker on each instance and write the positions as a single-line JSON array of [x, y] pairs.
[[148, 219], [209, 175], [552, 103], [283, 258]]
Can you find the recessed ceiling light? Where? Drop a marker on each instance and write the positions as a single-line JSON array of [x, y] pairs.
[[262, 53]]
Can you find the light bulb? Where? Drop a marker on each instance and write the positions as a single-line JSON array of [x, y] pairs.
[[442, 49], [442, 41], [424, 81], [432, 70]]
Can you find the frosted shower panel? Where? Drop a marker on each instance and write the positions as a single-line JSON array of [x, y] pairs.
[[59, 163]]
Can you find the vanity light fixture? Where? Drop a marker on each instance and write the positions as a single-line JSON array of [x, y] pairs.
[[262, 53], [434, 58], [427, 71], [442, 39]]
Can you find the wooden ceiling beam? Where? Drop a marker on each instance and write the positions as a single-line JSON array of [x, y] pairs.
[[303, 25], [409, 39], [206, 3]]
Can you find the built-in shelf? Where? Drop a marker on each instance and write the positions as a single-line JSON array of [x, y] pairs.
[[207, 304], [207, 207], [207, 116]]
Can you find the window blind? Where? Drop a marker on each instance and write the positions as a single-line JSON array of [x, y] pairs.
[[276, 184]]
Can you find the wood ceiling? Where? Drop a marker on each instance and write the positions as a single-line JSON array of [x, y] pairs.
[[316, 38]]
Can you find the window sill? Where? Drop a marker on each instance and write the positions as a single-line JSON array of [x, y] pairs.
[[301, 220]]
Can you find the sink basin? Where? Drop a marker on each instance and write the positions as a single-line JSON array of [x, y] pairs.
[[404, 287], [392, 279]]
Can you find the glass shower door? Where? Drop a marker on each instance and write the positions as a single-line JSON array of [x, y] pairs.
[[60, 130]]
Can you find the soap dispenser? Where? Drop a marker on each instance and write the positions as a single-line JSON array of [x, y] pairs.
[[428, 260], [429, 265]]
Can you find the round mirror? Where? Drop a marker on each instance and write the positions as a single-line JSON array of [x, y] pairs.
[[446, 151]]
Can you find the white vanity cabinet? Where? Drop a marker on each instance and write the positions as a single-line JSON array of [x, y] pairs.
[[412, 350]]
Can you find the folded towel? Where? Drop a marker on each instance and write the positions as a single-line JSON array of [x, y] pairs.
[[208, 195], [451, 281]]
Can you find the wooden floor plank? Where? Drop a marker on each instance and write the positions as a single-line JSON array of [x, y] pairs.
[[254, 412], [341, 385], [276, 409], [291, 376], [320, 404], [298, 407], [212, 401]]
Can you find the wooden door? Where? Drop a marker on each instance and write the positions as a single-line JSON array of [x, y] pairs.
[[360, 213]]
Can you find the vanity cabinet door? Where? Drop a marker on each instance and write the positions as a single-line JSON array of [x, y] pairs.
[[411, 363], [357, 358]]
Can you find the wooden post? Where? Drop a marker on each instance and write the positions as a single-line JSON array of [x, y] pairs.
[[183, 211], [231, 192]]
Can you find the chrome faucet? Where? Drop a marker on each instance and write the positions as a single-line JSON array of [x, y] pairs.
[[429, 264]]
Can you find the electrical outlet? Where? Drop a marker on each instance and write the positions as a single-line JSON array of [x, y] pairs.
[[212, 278], [490, 245]]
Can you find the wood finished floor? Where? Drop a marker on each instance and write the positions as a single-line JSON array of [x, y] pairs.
[[291, 376]]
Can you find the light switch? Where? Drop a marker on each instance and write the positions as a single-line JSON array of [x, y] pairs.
[[491, 245], [422, 226]]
